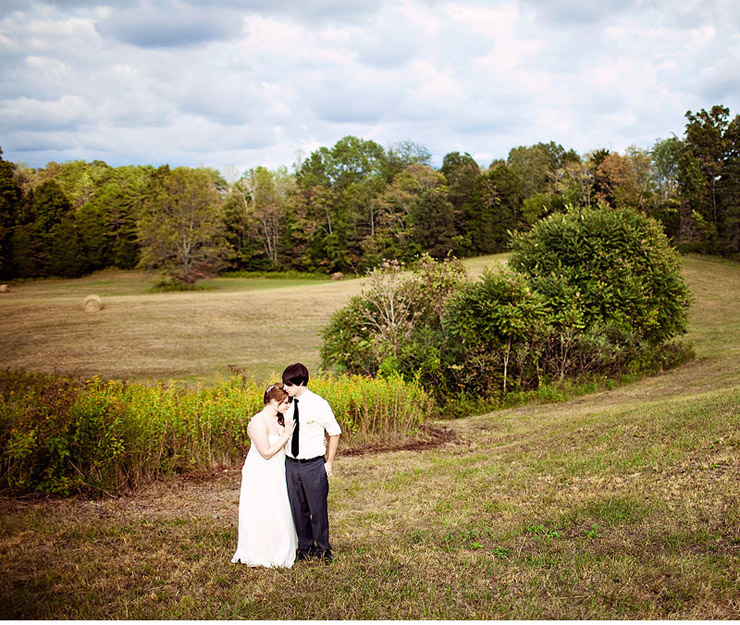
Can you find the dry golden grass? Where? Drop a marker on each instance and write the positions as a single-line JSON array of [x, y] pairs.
[[256, 325], [617, 505]]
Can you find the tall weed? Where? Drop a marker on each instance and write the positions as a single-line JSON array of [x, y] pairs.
[[374, 410], [62, 436]]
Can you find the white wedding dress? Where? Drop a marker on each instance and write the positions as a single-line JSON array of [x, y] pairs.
[[267, 535]]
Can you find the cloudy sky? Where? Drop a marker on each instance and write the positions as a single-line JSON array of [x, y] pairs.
[[243, 83]]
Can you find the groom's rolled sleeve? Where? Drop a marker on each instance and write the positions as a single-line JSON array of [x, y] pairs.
[[329, 421]]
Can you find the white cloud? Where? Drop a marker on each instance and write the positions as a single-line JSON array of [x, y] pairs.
[[63, 114], [250, 82]]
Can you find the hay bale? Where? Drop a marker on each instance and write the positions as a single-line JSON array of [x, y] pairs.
[[337, 275], [92, 304], [5, 288]]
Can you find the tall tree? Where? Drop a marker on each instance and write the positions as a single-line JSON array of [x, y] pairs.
[[665, 154], [541, 168], [728, 190], [11, 196], [265, 196], [356, 171], [108, 222], [461, 172], [28, 255], [626, 181], [310, 241], [404, 153], [432, 223], [67, 257], [666, 207], [705, 138], [532, 167], [349, 161], [353, 160], [49, 206], [32, 248], [494, 210], [574, 183], [593, 161], [397, 209], [182, 229], [693, 225]]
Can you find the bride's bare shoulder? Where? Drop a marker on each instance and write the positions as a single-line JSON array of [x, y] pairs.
[[257, 420]]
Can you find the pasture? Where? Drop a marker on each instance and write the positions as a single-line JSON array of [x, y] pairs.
[[621, 504], [255, 325]]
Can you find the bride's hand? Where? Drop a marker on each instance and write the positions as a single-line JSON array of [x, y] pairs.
[[289, 427]]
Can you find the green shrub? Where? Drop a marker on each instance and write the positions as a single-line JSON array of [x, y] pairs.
[[593, 292], [279, 275], [606, 268], [375, 411], [394, 325], [62, 436], [37, 431], [348, 343], [164, 285], [612, 291], [487, 323]]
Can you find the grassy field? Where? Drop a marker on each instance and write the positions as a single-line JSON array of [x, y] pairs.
[[622, 504], [255, 325]]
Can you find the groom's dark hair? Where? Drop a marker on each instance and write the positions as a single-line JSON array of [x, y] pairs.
[[295, 375]]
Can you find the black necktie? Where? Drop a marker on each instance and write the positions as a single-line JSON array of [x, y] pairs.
[[294, 440]]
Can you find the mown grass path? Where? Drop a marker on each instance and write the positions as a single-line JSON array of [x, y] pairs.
[[623, 504]]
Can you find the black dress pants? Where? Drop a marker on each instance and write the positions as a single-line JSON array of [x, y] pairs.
[[308, 489]]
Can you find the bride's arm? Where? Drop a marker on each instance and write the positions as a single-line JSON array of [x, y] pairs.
[[258, 433]]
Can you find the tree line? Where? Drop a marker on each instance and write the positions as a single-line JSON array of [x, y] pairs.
[[354, 205]]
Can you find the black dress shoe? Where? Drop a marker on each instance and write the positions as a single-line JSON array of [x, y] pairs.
[[303, 555], [325, 556]]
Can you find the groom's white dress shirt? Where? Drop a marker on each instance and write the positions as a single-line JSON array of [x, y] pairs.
[[314, 416]]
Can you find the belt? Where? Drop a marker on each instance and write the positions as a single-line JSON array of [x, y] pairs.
[[304, 461]]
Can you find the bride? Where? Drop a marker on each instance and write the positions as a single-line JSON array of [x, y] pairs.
[[267, 535]]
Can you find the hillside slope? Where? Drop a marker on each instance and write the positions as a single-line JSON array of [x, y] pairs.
[[622, 504]]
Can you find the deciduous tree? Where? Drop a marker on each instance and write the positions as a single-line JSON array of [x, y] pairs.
[[182, 230], [461, 172], [494, 210], [11, 196]]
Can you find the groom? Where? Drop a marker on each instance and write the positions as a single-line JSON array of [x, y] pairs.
[[306, 469]]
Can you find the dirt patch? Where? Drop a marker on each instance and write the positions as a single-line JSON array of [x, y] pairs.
[[429, 436]]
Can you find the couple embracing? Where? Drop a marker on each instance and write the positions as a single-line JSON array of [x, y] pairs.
[[285, 485]]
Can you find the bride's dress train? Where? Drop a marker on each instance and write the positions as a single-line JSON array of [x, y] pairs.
[[267, 536]]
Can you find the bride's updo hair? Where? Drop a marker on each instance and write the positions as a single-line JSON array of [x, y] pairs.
[[276, 392]]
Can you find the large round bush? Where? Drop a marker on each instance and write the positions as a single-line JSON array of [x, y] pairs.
[[614, 268]]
